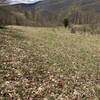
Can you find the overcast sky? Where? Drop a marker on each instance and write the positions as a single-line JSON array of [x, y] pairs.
[[23, 1]]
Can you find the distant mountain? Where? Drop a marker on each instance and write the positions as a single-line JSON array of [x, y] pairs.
[[54, 11], [20, 14], [51, 12], [25, 6]]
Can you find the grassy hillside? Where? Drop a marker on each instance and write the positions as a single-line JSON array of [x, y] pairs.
[[49, 64]]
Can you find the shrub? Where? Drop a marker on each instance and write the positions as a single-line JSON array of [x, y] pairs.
[[2, 27], [66, 22]]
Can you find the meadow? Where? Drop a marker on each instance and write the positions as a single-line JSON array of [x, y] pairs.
[[38, 63]]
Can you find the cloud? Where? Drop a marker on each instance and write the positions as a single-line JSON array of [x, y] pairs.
[[23, 1]]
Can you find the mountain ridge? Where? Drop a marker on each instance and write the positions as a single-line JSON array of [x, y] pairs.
[[50, 12]]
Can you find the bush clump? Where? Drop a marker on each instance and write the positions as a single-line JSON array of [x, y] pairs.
[[66, 22]]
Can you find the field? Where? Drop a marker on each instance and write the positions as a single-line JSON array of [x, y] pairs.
[[48, 64]]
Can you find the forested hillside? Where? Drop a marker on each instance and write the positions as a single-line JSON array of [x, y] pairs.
[[52, 12], [20, 14]]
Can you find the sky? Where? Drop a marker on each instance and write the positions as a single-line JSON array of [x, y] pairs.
[[23, 1]]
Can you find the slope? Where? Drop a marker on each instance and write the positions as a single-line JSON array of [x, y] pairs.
[[48, 63], [50, 12]]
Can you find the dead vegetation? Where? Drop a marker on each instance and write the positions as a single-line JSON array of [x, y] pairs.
[[49, 64]]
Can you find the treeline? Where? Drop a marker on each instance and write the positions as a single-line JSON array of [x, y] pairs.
[[17, 15], [82, 21], [78, 15]]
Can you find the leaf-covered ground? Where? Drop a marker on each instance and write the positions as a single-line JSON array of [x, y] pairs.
[[49, 64]]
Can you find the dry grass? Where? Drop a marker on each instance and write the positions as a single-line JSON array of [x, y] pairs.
[[48, 64]]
